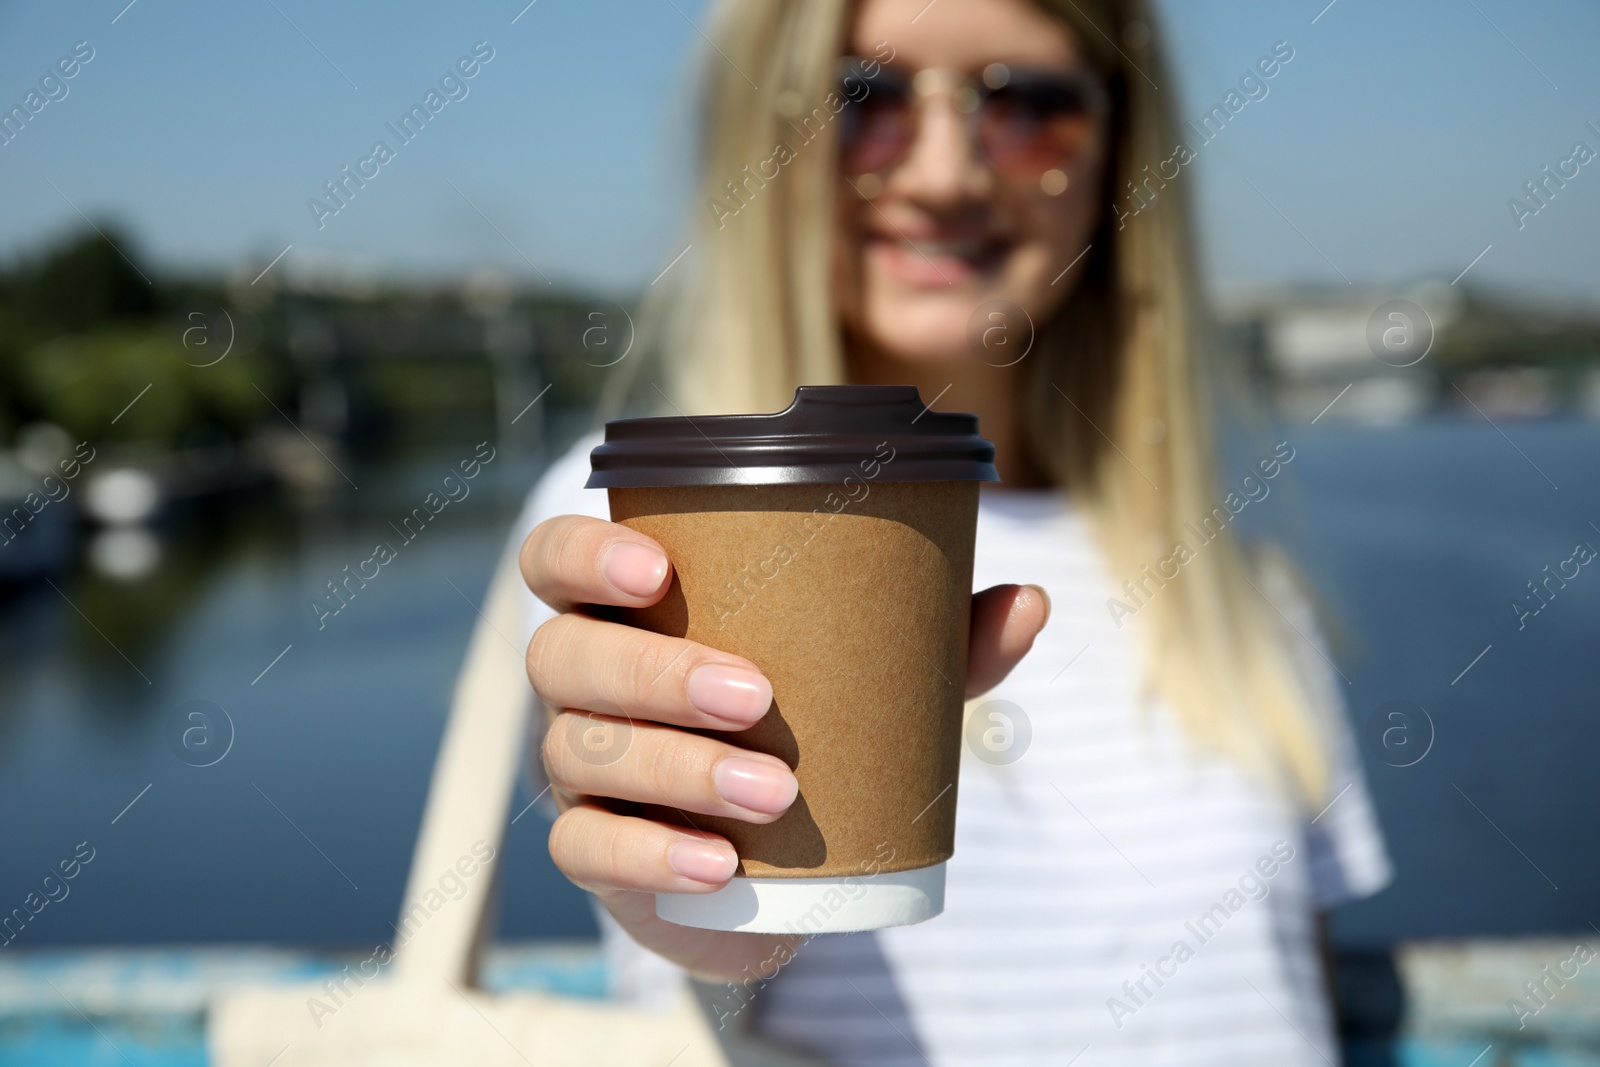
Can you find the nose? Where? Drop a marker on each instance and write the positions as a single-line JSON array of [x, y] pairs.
[[942, 166]]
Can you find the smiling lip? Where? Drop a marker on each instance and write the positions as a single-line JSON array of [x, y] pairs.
[[934, 261]]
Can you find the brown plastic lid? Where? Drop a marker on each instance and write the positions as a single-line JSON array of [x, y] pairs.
[[829, 433]]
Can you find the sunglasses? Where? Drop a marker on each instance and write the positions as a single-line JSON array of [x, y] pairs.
[[1029, 123]]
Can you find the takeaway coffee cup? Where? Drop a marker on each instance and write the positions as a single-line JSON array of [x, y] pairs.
[[831, 545]]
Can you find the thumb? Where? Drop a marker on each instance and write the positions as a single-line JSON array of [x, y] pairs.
[[1005, 620]]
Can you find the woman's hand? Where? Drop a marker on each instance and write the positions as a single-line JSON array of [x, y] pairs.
[[592, 673]]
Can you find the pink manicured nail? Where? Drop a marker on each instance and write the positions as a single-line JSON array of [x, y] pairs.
[[754, 784], [702, 861], [634, 569], [733, 694]]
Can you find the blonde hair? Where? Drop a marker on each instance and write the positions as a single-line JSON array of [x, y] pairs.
[[753, 317]]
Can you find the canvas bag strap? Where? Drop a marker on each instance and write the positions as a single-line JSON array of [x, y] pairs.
[[470, 794]]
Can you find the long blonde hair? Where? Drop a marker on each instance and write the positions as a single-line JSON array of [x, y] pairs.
[[752, 316]]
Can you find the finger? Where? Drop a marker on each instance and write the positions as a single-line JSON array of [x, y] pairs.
[[1005, 620], [600, 850], [573, 559], [578, 662], [605, 756]]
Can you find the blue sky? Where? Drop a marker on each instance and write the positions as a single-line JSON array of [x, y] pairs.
[[1387, 148]]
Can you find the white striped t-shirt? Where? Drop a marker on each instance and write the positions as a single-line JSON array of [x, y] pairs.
[[1114, 895]]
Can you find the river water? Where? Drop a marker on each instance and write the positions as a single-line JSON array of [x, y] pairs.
[[1421, 537]]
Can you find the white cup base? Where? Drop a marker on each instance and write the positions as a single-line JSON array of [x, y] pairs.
[[811, 905]]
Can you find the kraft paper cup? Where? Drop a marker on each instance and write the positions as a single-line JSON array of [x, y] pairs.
[[831, 545]]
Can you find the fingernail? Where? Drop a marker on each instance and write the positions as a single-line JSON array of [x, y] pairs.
[[702, 861], [755, 785], [634, 569], [733, 694], [1044, 596]]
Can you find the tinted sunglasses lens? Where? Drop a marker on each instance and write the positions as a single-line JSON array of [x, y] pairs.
[[875, 125], [1037, 123]]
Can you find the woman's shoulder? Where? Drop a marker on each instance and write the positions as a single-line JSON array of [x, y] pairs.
[[560, 490]]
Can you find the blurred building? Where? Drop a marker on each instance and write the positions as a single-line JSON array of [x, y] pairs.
[[1382, 363]]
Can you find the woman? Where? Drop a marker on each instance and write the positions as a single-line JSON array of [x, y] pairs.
[[1140, 884]]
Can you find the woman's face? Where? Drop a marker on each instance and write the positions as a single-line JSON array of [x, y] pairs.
[[945, 231]]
